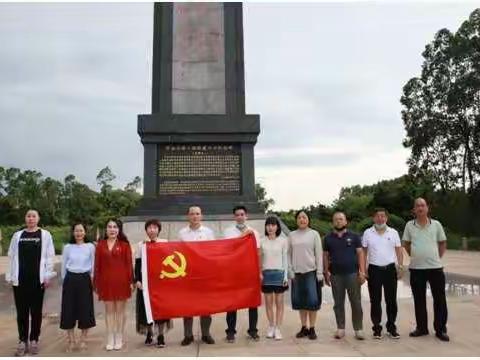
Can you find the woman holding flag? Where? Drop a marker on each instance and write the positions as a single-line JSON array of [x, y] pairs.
[[152, 228]]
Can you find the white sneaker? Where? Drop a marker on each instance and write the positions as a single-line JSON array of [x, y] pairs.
[[359, 335], [118, 342], [270, 332], [340, 333], [278, 334], [110, 341]]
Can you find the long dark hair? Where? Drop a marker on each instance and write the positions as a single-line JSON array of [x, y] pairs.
[[72, 237], [121, 236]]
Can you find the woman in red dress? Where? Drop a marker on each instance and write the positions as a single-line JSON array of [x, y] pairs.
[[113, 280]]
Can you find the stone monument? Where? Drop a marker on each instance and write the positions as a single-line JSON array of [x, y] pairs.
[[198, 141]]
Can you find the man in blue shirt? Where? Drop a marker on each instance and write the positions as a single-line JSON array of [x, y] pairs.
[[344, 271]]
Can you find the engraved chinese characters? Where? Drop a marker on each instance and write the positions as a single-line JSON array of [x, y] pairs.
[[204, 169]]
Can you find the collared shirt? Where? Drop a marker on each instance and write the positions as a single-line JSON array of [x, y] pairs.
[[138, 250], [235, 232], [381, 247], [201, 234], [424, 244], [342, 251]]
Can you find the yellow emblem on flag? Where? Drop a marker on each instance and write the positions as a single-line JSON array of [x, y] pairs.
[[179, 269]]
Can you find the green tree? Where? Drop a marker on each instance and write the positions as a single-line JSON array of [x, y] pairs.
[[134, 185], [261, 194], [441, 109]]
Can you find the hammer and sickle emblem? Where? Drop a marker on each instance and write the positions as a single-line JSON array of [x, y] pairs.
[[179, 269]]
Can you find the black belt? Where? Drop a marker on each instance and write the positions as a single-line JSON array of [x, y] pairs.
[[383, 267]]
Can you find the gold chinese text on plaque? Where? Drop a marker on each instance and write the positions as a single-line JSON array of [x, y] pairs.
[[199, 169]]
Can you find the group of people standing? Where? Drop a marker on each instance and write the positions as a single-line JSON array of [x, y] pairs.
[[344, 261]]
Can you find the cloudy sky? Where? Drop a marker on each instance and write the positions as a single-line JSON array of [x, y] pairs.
[[326, 79]]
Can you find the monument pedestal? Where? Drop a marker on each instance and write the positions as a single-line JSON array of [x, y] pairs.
[[198, 141]]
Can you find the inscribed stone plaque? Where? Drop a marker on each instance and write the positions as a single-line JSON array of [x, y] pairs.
[[199, 169], [198, 59]]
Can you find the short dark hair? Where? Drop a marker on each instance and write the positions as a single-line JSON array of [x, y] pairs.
[[72, 237], [240, 207], [273, 220], [380, 209], [155, 222]]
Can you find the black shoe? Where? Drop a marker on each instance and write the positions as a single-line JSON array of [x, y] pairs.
[[207, 339], [417, 333], [312, 335], [442, 336], [149, 339], [187, 340], [161, 341], [230, 337], [302, 333], [394, 334], [253, 335], [377, 334]]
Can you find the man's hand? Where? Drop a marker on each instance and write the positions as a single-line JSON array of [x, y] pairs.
[[247, 231], [361, 278], [46, 284], [139, 285], [400, 270]]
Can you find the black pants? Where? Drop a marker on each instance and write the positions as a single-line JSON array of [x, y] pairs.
[[29, 304], [252, 321], [205, 322], [418, 283], [383, 277], [77, 302]]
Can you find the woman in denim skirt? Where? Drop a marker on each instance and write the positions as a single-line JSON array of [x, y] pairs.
[[273, 249], [306, 270]]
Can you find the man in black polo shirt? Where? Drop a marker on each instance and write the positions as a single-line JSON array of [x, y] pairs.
[[344, 270]]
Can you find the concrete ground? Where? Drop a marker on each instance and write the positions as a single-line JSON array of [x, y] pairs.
[[463, 326]]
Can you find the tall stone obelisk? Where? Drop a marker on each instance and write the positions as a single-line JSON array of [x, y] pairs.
[[198, 141]]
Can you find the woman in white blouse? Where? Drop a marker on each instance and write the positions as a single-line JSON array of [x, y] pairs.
[[273, 250], [77, 293]]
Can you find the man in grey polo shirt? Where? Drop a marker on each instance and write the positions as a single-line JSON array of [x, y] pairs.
[[425, 242]]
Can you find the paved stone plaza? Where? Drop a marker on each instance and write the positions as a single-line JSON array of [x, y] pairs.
[[463, 326]]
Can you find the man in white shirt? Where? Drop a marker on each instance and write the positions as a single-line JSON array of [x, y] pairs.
[[383, 248], [240, 229], [195, 231]]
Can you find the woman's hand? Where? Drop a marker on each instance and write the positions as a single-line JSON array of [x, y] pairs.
[[326, 277], [139, 285]]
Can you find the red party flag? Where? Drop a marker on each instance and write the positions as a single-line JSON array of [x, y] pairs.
[[183, 279]]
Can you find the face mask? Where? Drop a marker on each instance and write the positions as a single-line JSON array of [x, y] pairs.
[[241, 227], [380, 226], [340, 228]]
